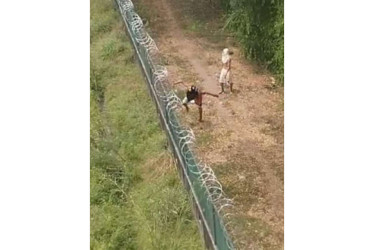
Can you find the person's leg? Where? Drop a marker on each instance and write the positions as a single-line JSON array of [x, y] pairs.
[[199, 102], [229, 80], [185, 101], [222, 79], [200, 114], [223, 90]]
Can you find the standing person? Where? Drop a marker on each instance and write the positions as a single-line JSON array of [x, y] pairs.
[[194, 95], [225, 77]]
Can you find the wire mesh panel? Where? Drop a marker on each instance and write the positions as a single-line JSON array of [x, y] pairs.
[[210, 203]]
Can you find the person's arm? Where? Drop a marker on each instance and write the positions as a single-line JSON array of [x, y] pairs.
[[181, 82], [207, 93], [229, 67]]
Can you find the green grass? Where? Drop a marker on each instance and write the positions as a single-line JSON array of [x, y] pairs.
[[205, 139], [195, 26], [136, 198]]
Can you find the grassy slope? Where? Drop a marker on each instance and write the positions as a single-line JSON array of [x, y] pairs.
[[137, 201]]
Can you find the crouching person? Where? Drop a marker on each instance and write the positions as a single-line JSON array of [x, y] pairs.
[[194, 95]]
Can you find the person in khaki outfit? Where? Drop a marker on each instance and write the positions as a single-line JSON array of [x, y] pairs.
[[226, 76]]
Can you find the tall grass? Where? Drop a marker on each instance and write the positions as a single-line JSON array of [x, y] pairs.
[[137, 201]]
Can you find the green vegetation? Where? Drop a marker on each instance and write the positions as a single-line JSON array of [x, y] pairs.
[[137, 200], [256, 25], [205, 139], [195, 26], [259, 27]]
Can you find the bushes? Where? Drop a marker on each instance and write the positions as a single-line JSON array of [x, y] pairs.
[[259, 27]]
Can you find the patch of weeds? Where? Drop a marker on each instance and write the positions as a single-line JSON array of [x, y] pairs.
[[97, 89], [111, 232], [256, 229], [195, 26], [101, 26], [222, 167], [111, 48], [163, 202], [204, 139], [130, 59], [179, 61]]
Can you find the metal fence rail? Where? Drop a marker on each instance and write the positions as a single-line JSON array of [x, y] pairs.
[[210, 205]]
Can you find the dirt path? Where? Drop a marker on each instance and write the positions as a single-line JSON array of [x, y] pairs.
[[194, 55], [242, 133], [187, 49]]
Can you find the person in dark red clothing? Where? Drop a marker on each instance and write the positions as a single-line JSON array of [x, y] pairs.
[[194, 95]]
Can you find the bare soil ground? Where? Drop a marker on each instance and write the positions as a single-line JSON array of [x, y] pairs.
[[241, 136]]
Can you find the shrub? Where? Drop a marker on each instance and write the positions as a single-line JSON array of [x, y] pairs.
[[259, 27]]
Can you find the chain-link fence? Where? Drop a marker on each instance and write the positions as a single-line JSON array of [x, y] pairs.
[[209, 202]]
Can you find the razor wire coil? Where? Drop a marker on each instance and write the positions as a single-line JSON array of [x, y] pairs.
[[202, 176]]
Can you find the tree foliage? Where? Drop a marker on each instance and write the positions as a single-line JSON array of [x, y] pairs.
[[259, 27]]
